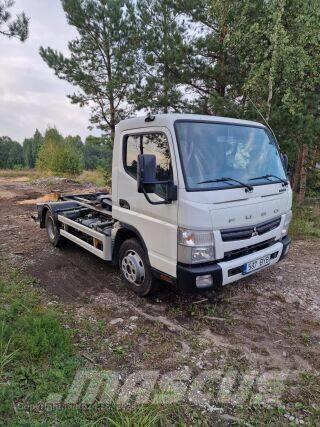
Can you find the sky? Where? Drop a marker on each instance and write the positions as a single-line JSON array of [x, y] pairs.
[[31, 96]]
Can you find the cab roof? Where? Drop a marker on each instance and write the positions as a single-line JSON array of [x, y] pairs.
[[167, 120]]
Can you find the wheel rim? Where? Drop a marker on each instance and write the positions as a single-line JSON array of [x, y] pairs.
[[133, 268], [51, 230]]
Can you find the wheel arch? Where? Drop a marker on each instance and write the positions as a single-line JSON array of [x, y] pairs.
[[125, 232], [54, 208]]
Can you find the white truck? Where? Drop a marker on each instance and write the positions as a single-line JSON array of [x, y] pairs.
[[200, 201]]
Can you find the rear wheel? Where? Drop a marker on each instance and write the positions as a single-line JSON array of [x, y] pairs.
[[135, 270], [52, 229]]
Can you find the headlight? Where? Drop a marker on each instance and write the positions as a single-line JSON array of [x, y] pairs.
[[195, 246], [286, 224]]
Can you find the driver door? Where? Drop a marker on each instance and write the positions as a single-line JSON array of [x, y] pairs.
[[157, 224]]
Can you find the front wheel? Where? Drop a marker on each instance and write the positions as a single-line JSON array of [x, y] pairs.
[[135, 270]]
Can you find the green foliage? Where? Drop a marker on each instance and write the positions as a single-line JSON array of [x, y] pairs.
[[283, 47], [267, 52], [313, 183], [305, 221], [212, 69], [98, 153], [11, 155], [49, 152], [75, 142], [102, 58], [18, 27], [6, 357], [143, 416], [56, 154], [60, 155], [36, 353], [163, 47], [31, 147], [68, 160], [31, 329]]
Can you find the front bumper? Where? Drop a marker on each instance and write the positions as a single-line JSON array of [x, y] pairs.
[[225, 272]]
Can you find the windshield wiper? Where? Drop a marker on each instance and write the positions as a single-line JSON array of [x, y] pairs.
[[225, 179], [270, 175]]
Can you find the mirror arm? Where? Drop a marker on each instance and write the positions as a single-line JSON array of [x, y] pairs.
[[164, 202]]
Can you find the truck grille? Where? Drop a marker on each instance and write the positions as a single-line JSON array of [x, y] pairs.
[[238, 253], [241, 233]]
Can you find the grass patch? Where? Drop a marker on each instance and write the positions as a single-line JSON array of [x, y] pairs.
[[36, 354], [18, 173], [37, 357], [305, 221], [95, 177], [301, 401], [98, 177]]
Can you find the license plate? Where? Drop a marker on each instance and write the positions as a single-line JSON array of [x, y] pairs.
[[256, 264]]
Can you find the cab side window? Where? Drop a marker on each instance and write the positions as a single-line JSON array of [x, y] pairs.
[[149, 143], [132, 149], [157, 144]]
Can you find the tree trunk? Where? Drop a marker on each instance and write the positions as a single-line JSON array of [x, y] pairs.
[[111, 96], [314, 155], [166, 67], [296, 176], [274, 56], [303, 174], [112, 124], [270, 96], [220, 84]]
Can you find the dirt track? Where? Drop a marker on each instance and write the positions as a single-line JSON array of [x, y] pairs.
[[270, 320]]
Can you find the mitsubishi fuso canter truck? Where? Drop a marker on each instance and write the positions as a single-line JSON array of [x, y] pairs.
[[197, 201]]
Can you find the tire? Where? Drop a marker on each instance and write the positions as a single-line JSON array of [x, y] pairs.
[[52, 229], [134, 268]]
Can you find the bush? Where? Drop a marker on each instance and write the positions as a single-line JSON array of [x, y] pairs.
[[67, 160], [58, 155], [305, 221]]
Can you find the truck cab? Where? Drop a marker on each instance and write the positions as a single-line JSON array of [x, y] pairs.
[[200, 201]]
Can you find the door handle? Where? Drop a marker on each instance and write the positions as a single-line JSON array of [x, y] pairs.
[[124, 204]]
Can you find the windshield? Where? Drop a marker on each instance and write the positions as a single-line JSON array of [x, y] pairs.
[[211, 151]]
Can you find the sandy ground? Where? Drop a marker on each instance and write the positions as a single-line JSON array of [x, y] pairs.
[[267, 321]]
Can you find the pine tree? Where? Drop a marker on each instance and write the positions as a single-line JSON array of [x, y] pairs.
[[18, 27], [163, 48], [102, 58], [212, 68]]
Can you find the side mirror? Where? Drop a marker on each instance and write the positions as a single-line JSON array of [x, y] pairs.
[[285, 161], [147, 180], [146, 173]]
